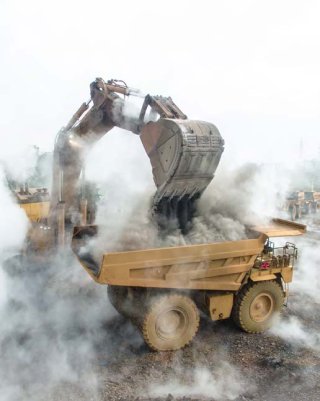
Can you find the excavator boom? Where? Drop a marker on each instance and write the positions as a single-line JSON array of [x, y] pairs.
[[184, 154]]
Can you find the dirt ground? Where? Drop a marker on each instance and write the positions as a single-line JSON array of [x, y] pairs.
[[222, 362], [262, 367], [271, 369]]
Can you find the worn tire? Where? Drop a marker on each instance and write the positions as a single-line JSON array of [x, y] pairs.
[[256, 305], [170, 323], [128, 302]]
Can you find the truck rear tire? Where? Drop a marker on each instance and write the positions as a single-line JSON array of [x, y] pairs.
[[128, 301], [171, 322], [256, 305], [117, 296]]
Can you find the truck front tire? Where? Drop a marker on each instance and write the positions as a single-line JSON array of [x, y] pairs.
[[257, 304]]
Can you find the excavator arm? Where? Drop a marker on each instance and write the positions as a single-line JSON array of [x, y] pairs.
[[184, 154]]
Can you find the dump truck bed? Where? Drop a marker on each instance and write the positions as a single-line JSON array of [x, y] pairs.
[[214, 266], [281, 228]]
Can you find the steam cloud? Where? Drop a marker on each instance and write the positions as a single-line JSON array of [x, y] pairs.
[[301, 329], [226, 208], [43, 309], [52, 317], [55, 316], [224, 383]]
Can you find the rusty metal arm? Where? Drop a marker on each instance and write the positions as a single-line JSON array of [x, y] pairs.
[[164, 106], [86, 127]]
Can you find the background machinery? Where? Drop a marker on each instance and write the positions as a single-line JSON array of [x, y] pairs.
[[300, 203]]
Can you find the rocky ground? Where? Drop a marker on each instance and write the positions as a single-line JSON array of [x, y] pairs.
[[98, 355], [222, 363], [222, 360]]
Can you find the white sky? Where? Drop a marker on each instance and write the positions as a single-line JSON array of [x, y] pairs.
[[250, 67]]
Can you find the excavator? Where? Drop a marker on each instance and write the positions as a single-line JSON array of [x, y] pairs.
[[184, 155]]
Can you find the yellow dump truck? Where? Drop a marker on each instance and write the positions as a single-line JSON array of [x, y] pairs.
[[162, 290]]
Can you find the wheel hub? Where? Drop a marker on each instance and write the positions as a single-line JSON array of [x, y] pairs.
[[261, 307], [171, 323]]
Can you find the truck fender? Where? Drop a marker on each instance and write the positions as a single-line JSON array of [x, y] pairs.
[[263, 277], [286, 275]]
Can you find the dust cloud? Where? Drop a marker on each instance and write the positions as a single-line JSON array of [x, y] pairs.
[[227, 207], [52, 318], [224, 383], [19, 163], [12, 232], [54, 315], [295, 332], [304, 301]]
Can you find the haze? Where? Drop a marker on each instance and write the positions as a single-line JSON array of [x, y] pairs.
[[250, 67]]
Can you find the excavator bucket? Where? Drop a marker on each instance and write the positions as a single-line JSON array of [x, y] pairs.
[[184, 155]]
